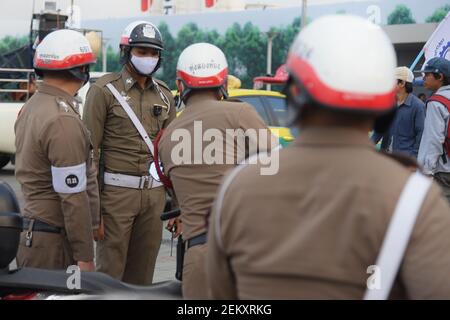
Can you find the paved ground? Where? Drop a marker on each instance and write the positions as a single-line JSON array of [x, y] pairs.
[[165, 265]]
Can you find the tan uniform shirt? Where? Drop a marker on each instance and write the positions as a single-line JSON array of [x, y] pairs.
[[312, 230], [196, 184], [53, 146], [123, 148]]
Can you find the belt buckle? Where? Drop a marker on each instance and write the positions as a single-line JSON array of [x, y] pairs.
[[144, 183], [150, 182]]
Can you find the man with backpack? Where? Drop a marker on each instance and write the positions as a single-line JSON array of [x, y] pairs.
[[434, 151]]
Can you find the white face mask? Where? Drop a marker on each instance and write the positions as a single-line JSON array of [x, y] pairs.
[[144, 65]]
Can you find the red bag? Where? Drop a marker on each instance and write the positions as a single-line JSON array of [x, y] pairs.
[[446, 102]]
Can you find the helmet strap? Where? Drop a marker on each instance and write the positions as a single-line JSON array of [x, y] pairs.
[[185, 93], [296, 104], [80, 75], [224, 92], [124, 54]]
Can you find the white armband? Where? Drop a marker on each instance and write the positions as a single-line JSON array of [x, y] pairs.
[[69, 179]]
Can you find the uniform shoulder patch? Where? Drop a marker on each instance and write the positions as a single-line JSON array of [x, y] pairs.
[[107, 78], [62, 104]]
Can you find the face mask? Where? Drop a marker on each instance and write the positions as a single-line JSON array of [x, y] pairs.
[[144, 65]]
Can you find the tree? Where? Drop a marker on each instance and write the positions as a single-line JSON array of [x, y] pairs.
[[283, 42], [401, 15], [10, 43], [244, 46], [112, 61], [169, 57], [245, 49], [439, 14]]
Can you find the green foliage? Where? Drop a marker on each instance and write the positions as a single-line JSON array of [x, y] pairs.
[[244, 46], [169, 57], [401, 15], [439, 14], [112, 61], [10, 43]]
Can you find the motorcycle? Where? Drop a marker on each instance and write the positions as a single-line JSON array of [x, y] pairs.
[[42, 284]]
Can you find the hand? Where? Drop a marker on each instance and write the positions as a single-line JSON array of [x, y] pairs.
[[99, 234], [86, 266], [174, 225]]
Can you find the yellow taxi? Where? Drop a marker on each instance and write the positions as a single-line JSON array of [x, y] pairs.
[[270, 105]]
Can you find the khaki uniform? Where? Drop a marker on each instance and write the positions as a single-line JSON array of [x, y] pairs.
[[196, 184], [443, 179], [133, 228], [312, 230], [53, 147]]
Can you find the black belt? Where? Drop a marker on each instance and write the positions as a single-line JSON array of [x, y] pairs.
[[40, 226], [197, 240]]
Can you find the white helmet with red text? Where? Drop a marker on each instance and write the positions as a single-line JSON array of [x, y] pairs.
[[202, 66], [342, 62], [64, 50]]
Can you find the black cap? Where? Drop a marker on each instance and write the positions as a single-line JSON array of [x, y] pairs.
[[146, 35]]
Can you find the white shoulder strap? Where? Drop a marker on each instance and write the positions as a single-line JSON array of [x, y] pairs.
[[398, 234], [162, 95], [132, 116]]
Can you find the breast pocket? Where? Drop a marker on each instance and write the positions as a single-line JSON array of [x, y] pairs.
[[119, 122], [157, 114], [405, 126]]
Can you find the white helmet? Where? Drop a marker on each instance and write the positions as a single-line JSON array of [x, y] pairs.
[[343, 62], [64, 50], [202, 66]]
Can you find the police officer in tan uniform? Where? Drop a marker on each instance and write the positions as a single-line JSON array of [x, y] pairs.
[[54, 160], [131, 200], [201, 80], [315, 229]]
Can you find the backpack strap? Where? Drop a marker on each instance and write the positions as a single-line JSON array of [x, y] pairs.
[[441, 99], [446, 145]]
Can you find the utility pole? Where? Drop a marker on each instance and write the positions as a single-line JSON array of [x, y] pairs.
[[270, 36], [104, 56], [304, 7], [71, 12]]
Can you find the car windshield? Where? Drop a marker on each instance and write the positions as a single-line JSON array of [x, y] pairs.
[[256, 102], [279, 108]]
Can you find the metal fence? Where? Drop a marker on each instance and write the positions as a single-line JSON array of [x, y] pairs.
[[10, 84]]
